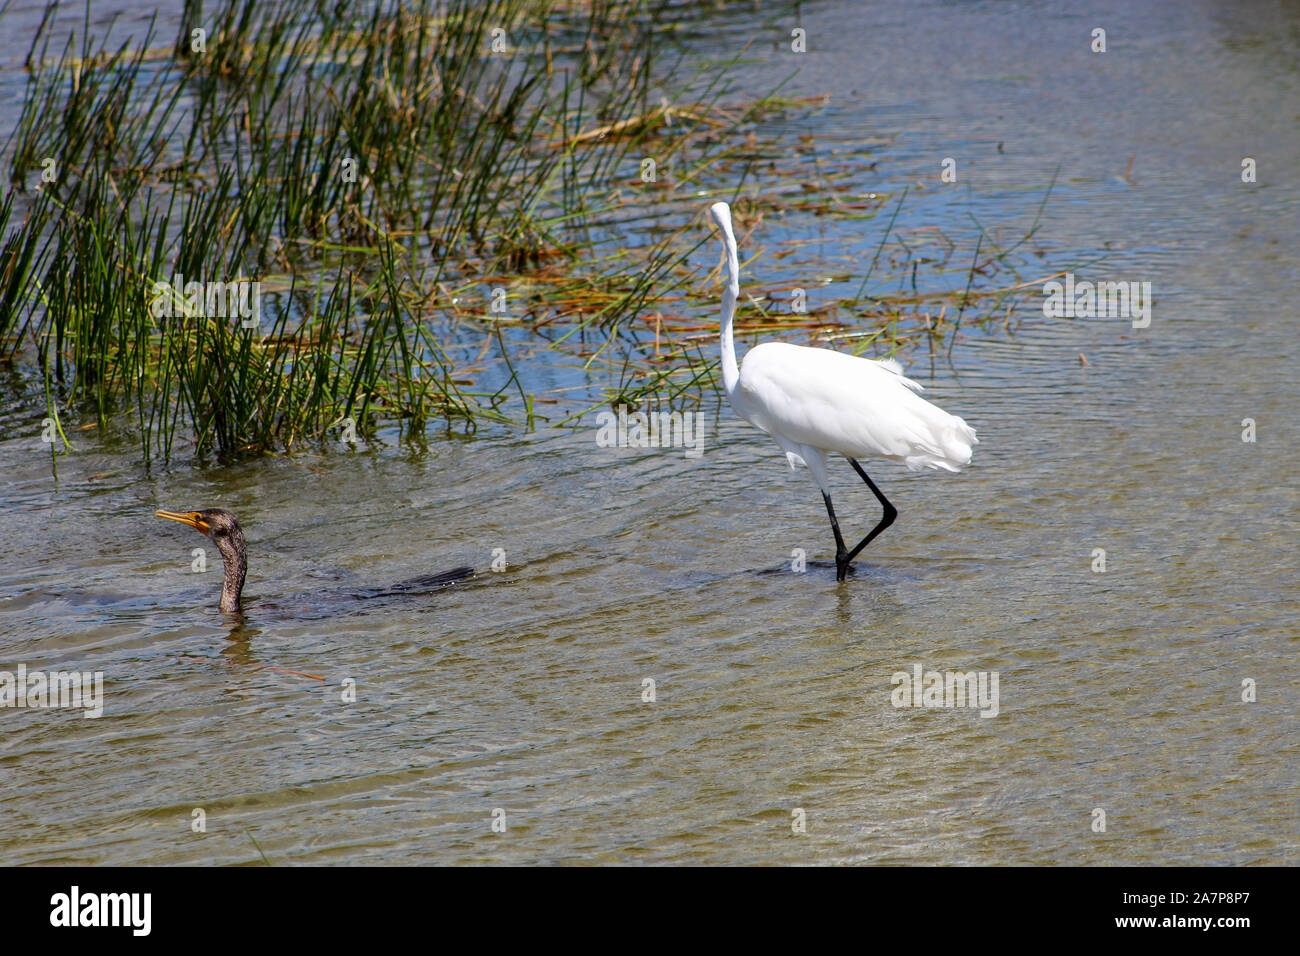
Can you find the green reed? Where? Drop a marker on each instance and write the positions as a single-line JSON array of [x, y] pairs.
[[351, 157], [380, 168]]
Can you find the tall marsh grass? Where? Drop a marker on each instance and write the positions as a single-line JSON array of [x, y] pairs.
[[382, 170], [354, 158]]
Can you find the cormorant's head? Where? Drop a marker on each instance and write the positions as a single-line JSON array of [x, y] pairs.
[[220, 525], [217, 523]]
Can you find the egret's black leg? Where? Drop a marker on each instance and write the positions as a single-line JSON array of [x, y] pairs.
[[842, 556], [886, 519]]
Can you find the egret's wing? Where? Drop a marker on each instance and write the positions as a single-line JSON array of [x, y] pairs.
[[855, 406]]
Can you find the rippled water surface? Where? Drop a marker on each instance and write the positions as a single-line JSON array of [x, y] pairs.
[[522, 690]]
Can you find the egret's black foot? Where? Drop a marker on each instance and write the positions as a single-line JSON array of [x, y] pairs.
[[841, 566]]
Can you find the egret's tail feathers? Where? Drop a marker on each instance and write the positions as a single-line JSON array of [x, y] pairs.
[[949, 448], [894, 366]]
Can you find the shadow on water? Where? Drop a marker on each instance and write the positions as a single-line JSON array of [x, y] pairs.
[[860, 570]]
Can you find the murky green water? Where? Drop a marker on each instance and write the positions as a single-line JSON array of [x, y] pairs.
[[523, 690]]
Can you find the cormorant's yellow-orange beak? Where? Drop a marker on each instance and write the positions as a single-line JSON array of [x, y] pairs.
[[191, 518]]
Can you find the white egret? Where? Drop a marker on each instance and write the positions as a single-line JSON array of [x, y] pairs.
[[817, 401]]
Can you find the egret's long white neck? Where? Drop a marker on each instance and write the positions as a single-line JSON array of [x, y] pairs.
[[721, 214]]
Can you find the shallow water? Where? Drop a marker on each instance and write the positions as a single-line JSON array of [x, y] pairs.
[[522, 690]]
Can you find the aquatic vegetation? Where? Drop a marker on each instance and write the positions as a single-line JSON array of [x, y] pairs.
[[298, 221]]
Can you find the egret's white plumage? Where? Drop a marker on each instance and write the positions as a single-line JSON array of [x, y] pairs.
[[817, 401]]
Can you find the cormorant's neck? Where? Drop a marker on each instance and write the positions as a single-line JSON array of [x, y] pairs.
[[235, 563]]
